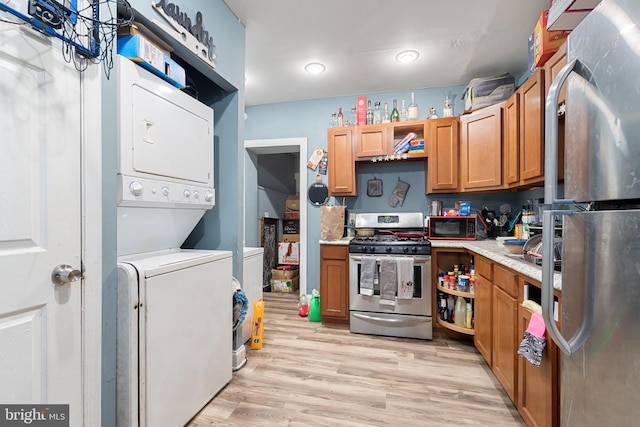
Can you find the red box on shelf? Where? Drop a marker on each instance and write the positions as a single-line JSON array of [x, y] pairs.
[[361, 110]]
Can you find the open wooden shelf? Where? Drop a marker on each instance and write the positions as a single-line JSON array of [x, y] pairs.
[[454, 292], [454, 327]]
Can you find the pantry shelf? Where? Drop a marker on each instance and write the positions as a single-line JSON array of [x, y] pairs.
[[454, 292]]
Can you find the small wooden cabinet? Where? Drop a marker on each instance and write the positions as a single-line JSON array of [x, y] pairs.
[[443, 164], [342, 167], [552, 68], [481, 149], [532, 95], [334, 284], [538, 385], [483, 324], [505, 341]]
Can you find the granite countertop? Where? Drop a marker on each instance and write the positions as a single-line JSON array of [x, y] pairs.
[[491, 250]]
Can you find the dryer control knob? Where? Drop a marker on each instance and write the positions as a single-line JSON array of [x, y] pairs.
[[136, 188], [165, 191], [208, 196], [186, 193]]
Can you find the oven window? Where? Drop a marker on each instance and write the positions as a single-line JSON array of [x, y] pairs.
[[417, 280]]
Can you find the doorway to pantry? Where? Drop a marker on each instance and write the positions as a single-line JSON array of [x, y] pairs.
[[290, 154]]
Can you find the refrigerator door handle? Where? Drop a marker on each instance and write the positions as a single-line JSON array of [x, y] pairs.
[[551, 136], [574, 343]]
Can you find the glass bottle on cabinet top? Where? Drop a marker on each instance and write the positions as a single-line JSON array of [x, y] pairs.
[[353, 117], [403, 112], [340, 118], [413, 109], [377, 114], [386, 118], [369, 113], [333, 122], [395, 115]]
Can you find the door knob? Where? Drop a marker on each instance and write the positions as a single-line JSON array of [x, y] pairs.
[[63, 274]]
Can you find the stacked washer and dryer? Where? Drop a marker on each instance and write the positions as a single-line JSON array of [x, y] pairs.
[[174, 329]]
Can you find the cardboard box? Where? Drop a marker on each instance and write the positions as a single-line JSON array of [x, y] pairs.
[[289, 253], [291, 238], [290, 226], [293, 203], [146, 54], [546, 43], [287, 285], [361, 110], [277, 274]]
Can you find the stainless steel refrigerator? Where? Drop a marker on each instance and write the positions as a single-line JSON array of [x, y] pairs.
[[599, 333]]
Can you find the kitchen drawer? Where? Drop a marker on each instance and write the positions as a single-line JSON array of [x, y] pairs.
[[483, 267], [505, 280]]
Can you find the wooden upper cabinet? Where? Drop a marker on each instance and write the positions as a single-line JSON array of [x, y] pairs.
[[481, 149], [552, 68], [532, 128], [443, 148], [341, 167], [512, 140], [371, 141]]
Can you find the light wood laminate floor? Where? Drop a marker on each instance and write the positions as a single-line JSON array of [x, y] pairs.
[[310, 375]]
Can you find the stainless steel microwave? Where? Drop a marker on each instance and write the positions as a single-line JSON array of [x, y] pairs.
[[452, 227]]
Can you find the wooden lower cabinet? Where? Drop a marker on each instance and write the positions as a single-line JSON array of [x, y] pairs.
[[505, 343], [537, 385], [483, 325], [500, 323], [334, 284]]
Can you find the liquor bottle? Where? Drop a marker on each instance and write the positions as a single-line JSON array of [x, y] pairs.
[[403, 112], [413, 109], [353, 118], [340, 118], [432, 113], [377, 114], [395, 116], [386, 118], [369, 113], [333, 122]]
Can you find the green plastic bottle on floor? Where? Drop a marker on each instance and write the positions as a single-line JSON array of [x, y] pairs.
[[314, 307]]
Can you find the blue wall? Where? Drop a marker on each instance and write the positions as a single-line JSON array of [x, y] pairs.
[[310, 119]]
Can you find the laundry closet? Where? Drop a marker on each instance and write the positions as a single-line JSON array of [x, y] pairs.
[[174, 312]]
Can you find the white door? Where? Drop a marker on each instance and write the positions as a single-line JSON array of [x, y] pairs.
[[40, 228]]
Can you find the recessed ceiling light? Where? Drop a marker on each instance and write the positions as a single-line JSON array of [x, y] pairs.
[[407, 56], [314, 68]]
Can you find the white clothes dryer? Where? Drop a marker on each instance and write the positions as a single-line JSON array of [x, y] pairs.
[[174, 334]]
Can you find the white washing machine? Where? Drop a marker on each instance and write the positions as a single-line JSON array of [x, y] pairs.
[[252, 287], [174, 334]]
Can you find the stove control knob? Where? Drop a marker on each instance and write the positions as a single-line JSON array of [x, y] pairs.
[[186, 193], [388, 249], [372, 249], [414, 249], [406, 250]]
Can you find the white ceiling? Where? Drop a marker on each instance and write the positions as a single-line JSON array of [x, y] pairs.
[[358, 40]]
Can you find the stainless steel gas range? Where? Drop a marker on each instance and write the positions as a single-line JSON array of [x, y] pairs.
[[390, 277]]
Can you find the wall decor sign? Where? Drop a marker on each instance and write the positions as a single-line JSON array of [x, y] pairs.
[[192, 34]]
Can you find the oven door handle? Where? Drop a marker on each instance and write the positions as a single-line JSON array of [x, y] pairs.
[[417, 260], [387, 320]]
